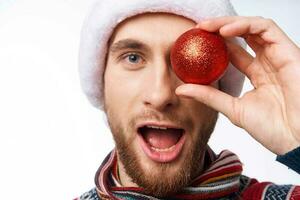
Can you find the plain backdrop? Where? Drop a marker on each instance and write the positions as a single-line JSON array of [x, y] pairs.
[[51, 139]]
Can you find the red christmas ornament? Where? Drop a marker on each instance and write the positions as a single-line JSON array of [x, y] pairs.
[[199, 57]]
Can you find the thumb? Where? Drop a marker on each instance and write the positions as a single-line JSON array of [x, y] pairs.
[[211, 97]]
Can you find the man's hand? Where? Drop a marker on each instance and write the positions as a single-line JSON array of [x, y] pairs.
[[270, 112]]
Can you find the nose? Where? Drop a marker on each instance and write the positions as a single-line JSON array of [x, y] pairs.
[[160, 92]]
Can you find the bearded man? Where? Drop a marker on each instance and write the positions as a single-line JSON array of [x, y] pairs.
[[161, 126]]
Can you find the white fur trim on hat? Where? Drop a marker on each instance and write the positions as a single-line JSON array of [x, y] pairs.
[[105, 15]]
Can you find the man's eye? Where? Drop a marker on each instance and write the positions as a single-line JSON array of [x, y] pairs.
[[133, 58]]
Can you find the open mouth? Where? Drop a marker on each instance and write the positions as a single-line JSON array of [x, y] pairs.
[[161, 143]]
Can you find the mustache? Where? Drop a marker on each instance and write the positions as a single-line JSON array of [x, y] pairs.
[[170, 116]]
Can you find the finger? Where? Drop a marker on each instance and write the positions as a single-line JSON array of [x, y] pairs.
[[240, 58], [256, 38], [211, 97], [214, 24], [244, 62], [266, 29], [232, 26], [255, 43]]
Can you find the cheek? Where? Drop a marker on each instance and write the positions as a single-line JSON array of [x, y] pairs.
[[120, 90]]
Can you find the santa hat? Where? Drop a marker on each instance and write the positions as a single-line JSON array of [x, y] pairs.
[[105, 15]]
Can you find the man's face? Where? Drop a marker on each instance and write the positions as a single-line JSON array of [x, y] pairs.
[[160, 137]]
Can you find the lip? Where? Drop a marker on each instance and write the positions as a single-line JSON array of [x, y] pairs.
[[162, 156], [160, 124]]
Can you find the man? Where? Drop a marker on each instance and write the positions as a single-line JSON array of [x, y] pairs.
[[161, 126]]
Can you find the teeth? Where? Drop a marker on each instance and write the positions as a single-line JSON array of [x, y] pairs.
[[163, 150], [157, 127]]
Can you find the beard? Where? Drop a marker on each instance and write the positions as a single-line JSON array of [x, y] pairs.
[[163, 179]]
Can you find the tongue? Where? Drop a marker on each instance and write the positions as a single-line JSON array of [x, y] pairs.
[[162, 139]]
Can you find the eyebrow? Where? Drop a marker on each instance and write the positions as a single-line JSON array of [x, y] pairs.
[[128, 44]]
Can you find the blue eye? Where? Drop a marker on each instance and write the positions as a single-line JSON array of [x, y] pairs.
[[133, 58]]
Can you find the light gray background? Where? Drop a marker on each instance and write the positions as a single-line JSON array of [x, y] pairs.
[[51, 139]]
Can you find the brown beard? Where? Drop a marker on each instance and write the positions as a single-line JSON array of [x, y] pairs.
[[160, 182]]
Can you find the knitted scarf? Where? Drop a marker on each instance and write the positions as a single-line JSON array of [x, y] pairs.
[[222, 179]]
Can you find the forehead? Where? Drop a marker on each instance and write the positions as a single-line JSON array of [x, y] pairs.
[[153, 28]]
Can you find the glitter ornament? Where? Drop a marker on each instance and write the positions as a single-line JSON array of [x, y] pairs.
[[199, 57]]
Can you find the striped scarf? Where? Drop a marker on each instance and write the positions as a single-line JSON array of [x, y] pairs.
[[221, 180]]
